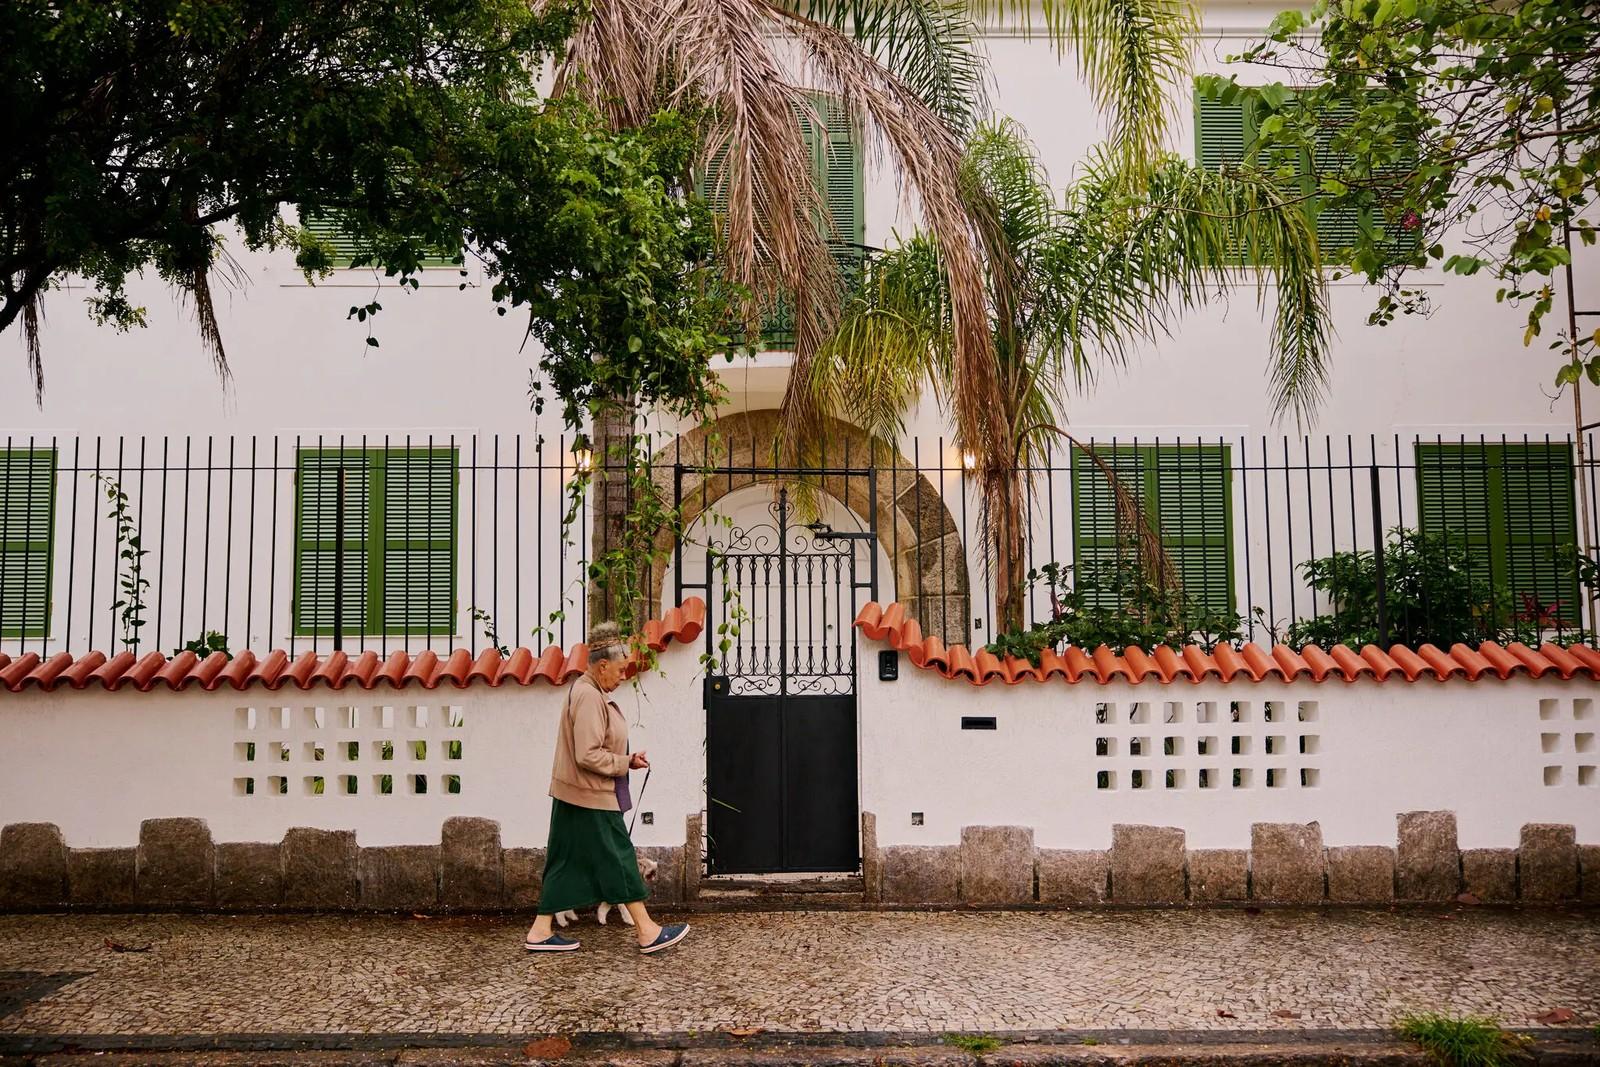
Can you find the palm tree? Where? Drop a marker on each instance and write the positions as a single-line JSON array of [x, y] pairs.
[[906, 73], [1109, 266]]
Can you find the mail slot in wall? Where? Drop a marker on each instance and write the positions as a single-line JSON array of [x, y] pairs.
[[977, 722]]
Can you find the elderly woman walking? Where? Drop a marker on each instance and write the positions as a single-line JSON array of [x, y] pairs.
[[590, 858]]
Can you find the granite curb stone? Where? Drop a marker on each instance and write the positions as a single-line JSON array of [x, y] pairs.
[[669, 873], [1427, 858], [175, 863], [33, 865], [1286, 865], [473, 875], [922, 874], [399, 877], [1589, 873], [1360, 874], [997, 864], [1072, 876], [1547, 860], [1490, 874], [524, 877], [1147, 864], [320, 868], [871, 860], [249, 874], [1217, 874], [103, 876]]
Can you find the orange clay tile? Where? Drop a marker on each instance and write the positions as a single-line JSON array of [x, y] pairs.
[[1251, 662], [336, 670]]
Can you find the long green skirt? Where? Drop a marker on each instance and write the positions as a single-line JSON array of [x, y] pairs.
[[589, 861]]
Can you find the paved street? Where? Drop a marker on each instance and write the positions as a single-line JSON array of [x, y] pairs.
[[795, 972]]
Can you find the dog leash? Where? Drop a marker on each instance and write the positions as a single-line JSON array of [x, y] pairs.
[[642, 787]]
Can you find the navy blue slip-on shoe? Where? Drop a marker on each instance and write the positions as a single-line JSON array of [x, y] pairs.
[[670, 935], [553, 943]]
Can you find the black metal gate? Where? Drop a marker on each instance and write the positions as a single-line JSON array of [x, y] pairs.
[[781, 740]]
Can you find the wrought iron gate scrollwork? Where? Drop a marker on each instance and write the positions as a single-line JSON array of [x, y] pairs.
[[781, 759]]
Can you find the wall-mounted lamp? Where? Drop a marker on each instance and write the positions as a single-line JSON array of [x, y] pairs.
[[582, 454], [969, 461]]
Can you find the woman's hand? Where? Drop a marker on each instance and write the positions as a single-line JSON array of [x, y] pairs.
[[638, 762]]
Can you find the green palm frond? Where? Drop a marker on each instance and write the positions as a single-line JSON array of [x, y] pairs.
[[1133, 53], [892, 339], [1130, 265], [930, 45]]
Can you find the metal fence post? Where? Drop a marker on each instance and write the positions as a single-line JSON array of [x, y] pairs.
[[338, 559], [1377, 557]]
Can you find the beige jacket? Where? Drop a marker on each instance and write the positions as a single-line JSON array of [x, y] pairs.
[[591, 750]]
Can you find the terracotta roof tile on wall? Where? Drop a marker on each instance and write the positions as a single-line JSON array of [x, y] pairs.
[[892, 625], [336, 670]]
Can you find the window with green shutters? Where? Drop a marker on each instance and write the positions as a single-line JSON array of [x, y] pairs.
[[1512, 506], [399, 541], [329, 227], [1186, 493], [27, 529], [1225, 133], [836, 169]]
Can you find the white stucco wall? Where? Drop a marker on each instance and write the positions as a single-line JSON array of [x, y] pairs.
[[449, 364], [1498, 754]]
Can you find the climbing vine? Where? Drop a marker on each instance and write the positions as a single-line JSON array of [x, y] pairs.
[[131, 582]]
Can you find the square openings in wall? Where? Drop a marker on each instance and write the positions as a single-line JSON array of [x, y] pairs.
[[328, 751], [1131, 754], [1567, 741]]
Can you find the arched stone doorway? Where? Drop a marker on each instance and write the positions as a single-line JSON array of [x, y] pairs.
[[915, 527]]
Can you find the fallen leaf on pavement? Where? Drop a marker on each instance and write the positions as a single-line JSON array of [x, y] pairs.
[[745, 1031], [1369, 937], [1224, 1013], [1554, 1016], [1468, 898], [550, 1048], [419, 915], [117, 946], [1285, 1013]]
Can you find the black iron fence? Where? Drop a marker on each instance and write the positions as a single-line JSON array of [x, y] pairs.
[[410, 542]]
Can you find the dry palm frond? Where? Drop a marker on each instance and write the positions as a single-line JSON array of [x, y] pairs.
[[928, 158], [932, 46], [730, 57], [32, 320]]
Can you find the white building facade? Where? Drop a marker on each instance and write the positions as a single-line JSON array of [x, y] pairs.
[[404, 499]]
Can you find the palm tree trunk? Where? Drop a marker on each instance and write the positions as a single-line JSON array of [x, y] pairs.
[[1004, 500]]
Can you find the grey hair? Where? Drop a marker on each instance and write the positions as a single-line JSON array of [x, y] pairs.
[[605, 642]]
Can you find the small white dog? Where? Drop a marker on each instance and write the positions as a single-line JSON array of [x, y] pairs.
[[647, 870]]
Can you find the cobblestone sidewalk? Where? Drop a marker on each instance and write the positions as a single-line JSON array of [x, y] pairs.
[[873, 972]]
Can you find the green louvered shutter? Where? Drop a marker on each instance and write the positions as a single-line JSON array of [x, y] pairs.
[[1186, 495], [1338, 228], [1190, 487], [1220, 131], [839, 164], [1096, 542], [1512, 506], [1540, 517], [27, 527], [318, 582], [418, 569], [328, 226]]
